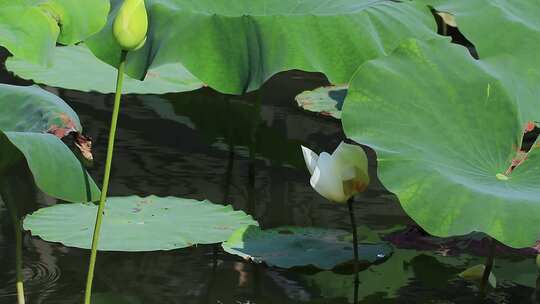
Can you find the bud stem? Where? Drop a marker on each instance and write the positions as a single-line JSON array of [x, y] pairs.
[[106, 176]]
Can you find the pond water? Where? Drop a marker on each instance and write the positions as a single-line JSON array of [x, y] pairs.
[[205, 145]]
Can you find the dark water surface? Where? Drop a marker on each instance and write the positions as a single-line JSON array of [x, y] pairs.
[[205, 145]]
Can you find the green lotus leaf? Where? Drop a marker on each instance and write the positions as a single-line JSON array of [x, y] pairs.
[[512, 54], [27, 116], [99, 76], [446, 129], [29, 29], [326, 101], [135, 223], [236, 45], [288, 247]]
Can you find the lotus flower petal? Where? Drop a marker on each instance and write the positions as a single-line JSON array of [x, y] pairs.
[[326, 179], [353, 161], [311, 159]]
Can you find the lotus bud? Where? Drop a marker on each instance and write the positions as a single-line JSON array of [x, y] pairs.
[[130, 25], [340, 175]]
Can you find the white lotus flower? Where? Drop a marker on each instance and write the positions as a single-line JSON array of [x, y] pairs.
[[340, 175]]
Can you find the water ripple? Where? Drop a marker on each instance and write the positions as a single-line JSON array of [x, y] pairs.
[[40, 276]]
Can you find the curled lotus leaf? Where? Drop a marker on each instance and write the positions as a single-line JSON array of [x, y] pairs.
[[239, 44], [30, 29], [32, 123]]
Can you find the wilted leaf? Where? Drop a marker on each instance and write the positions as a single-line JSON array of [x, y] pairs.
[[27, 115], [327, 101]]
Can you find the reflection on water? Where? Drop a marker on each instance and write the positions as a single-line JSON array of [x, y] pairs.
[[205, 145]]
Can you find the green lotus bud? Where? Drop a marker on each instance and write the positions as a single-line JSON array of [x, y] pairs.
[[538, 261], [130, 25]]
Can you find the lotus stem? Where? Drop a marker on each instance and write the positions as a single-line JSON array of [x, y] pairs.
[[10, 199], [17, 229], [106, 176], [228, 174], [489, 264], [252, 153], [355, 248], [18, 260], [230, 162]]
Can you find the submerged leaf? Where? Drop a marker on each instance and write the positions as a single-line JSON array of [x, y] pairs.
[[135, 223], [288, 247]]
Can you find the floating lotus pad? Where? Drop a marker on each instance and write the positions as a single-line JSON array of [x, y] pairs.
[[98, 76], [135, 223], [239, 44], [327, 101], [429, 131], [27, 114], [29, 29], [288, 247]]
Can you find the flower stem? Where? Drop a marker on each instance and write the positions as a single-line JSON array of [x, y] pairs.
[[355, 248], [489, 264], [106, 176]]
